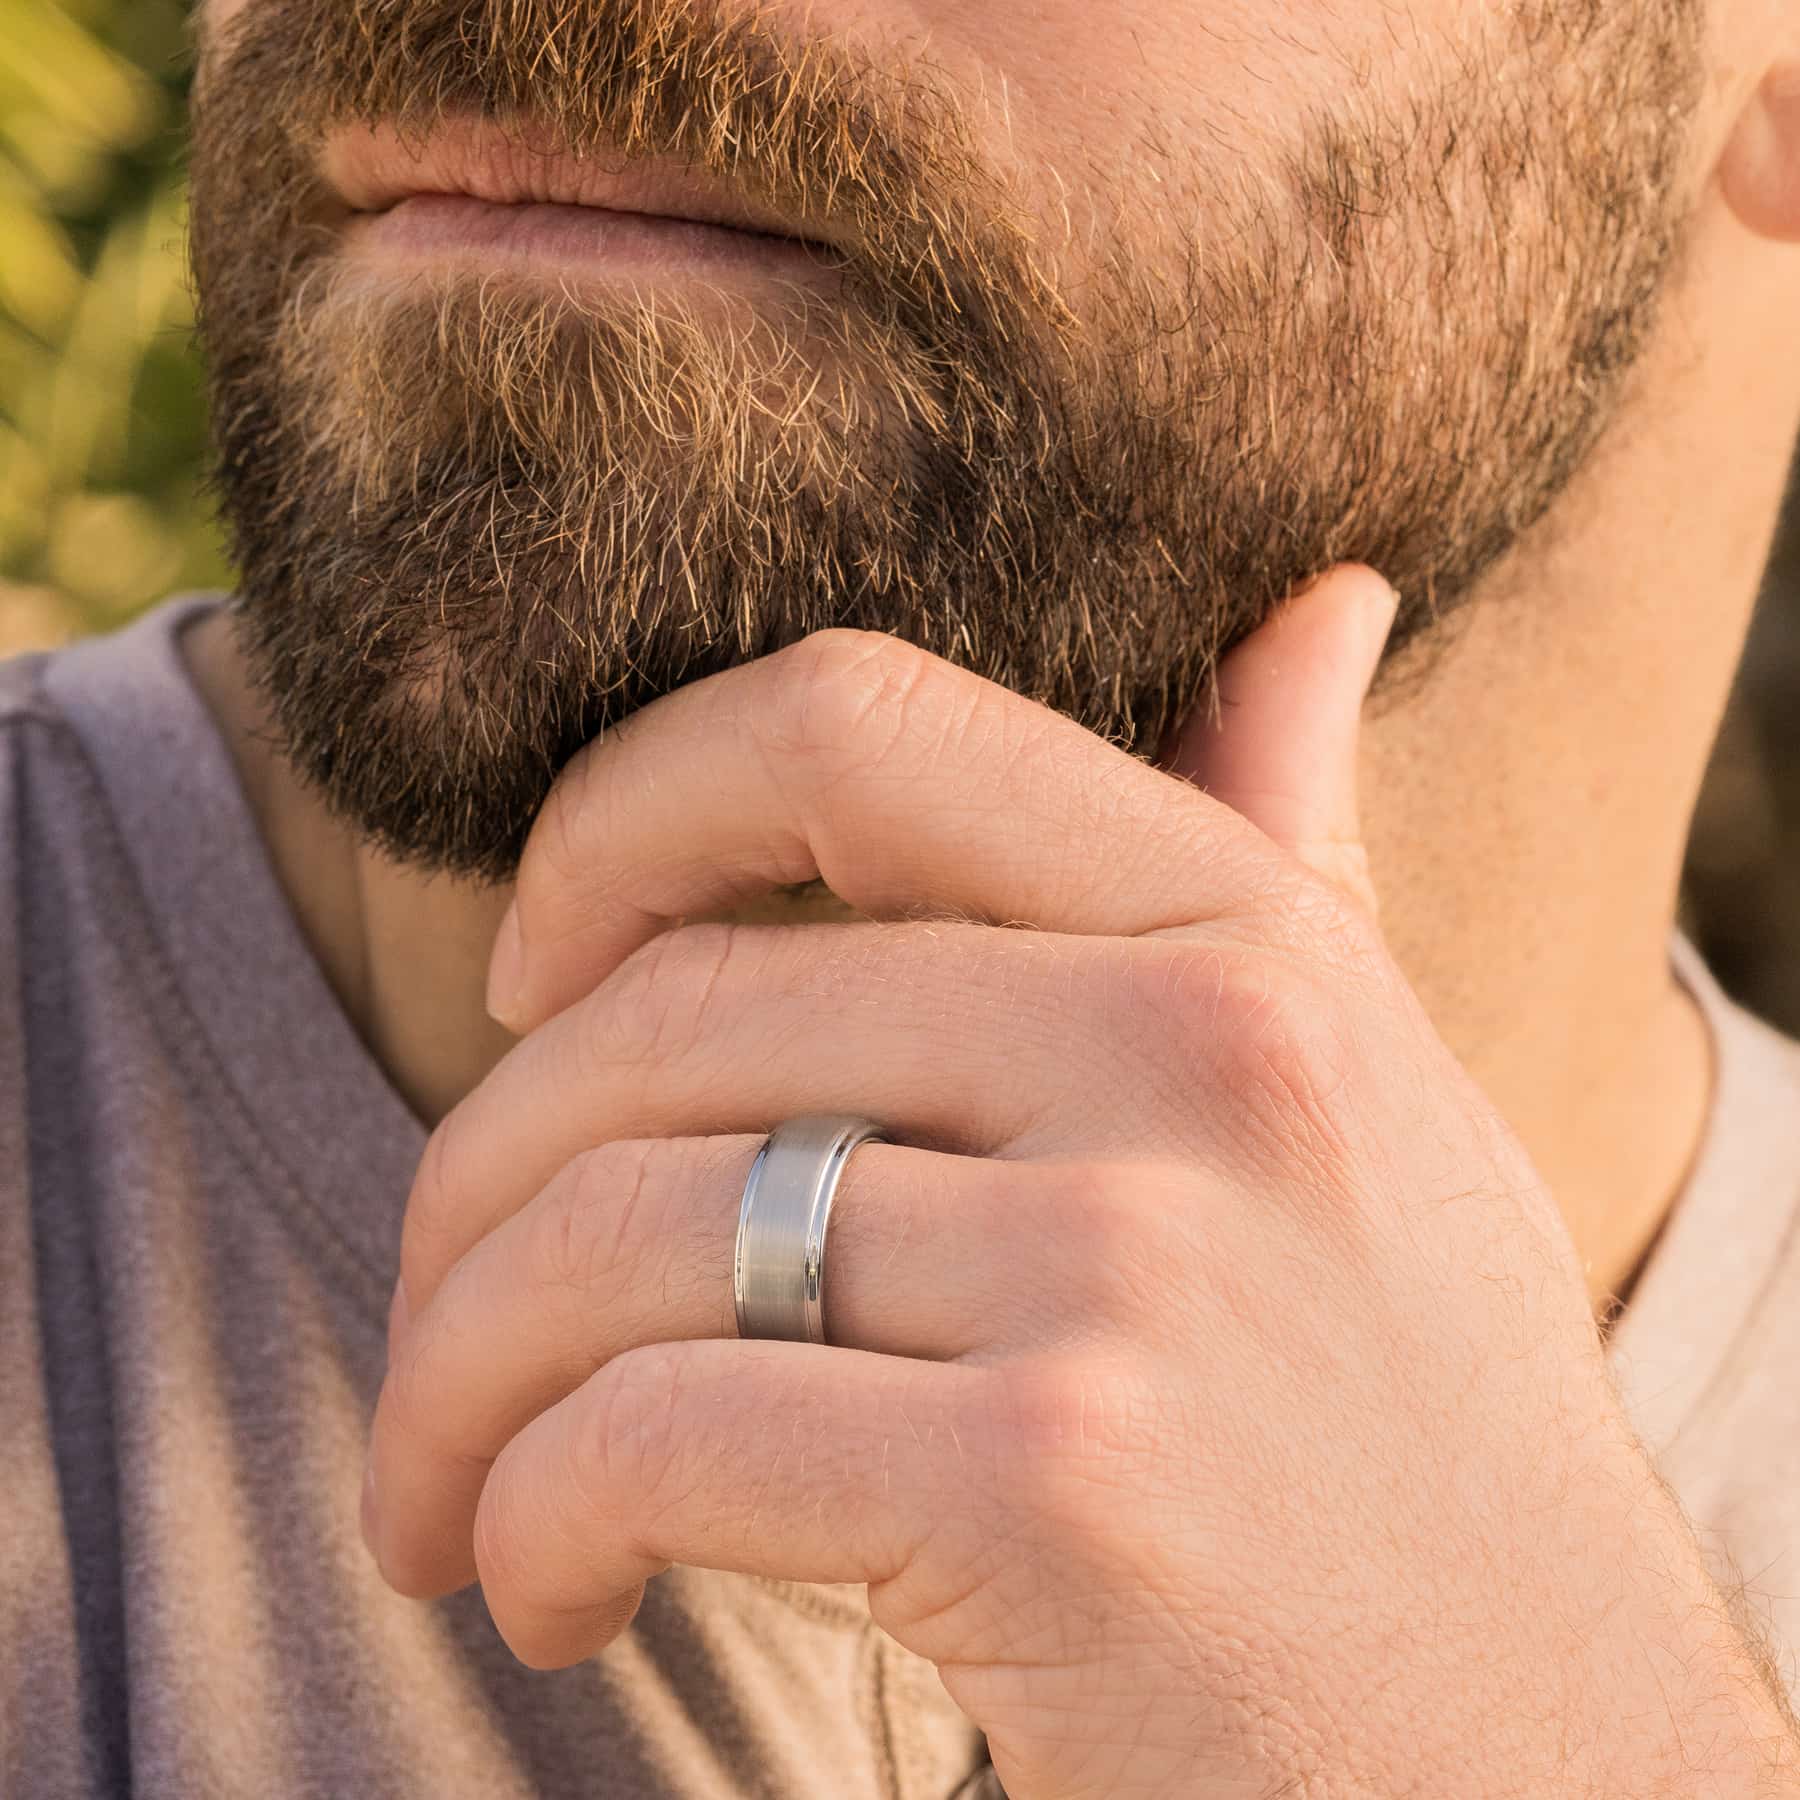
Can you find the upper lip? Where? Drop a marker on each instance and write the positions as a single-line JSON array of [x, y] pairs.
[[371, 169]]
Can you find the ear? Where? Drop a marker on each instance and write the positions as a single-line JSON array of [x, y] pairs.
[[1759, 171]]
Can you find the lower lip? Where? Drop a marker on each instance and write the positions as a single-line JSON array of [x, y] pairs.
[[584, 237]]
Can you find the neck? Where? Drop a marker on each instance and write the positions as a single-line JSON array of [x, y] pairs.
[[1534, 790], [1526, 802]]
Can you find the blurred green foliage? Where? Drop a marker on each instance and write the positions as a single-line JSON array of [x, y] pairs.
[[102, 426]]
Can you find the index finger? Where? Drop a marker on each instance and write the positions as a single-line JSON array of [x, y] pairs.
[[907, 784]]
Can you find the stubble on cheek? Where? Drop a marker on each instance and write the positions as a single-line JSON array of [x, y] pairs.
[[480, 517]]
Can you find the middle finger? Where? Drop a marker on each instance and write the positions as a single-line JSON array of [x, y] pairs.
[[955, 1036]]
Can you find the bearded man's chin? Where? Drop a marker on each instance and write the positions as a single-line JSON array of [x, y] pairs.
[[480, 519]]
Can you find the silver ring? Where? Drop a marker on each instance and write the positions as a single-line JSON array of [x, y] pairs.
[[778, 1274]]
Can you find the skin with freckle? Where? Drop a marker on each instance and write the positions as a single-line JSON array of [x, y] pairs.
[[1125, 333]]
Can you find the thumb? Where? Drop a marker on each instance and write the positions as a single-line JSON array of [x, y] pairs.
[[1277, 741]]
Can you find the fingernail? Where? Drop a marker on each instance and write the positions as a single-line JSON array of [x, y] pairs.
[[1386, 603], [506, 970], [1380, 610]]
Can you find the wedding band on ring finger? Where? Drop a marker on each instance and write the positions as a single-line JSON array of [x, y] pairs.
[[929, 1255], [664, 1215], [778, 1273]]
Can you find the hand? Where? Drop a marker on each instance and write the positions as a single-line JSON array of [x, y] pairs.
[[1219, 1404]]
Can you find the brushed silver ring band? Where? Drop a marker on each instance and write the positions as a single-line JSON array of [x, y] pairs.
[[778, 1273]]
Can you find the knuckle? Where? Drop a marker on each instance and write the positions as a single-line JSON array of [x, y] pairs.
[[604, 1469], [428, 1232], [658, 1001], [407, 1408], [1270, 1034], [591, 1233], [843, 690], [626, 1445], [419, 1385], [503, 1538], [1037, 1405], [1076, 1431], [1189, 1003], [558, 848], [1115, 1244], [598, 1474]]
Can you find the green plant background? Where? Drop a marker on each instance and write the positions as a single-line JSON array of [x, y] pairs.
[[102, 430], [102, 435]]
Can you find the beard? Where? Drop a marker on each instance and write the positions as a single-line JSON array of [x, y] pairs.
[[481, 517]]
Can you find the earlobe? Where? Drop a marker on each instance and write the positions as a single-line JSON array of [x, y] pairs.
[[1759, 171]]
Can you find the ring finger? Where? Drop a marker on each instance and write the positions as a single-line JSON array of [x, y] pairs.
[[956, 1035], [633, 1243]]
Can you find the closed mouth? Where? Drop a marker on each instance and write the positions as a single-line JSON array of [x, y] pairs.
[[468, 181]]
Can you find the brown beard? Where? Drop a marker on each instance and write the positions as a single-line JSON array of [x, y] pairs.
[[480, 520]]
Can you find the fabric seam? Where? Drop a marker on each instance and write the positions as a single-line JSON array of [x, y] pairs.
[[157, 967]]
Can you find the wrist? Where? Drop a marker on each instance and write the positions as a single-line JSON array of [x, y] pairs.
[[1695, 1706], [1620, 1667], [1664, 1691]]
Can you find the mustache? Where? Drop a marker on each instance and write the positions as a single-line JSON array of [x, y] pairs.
[[886, 153]]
